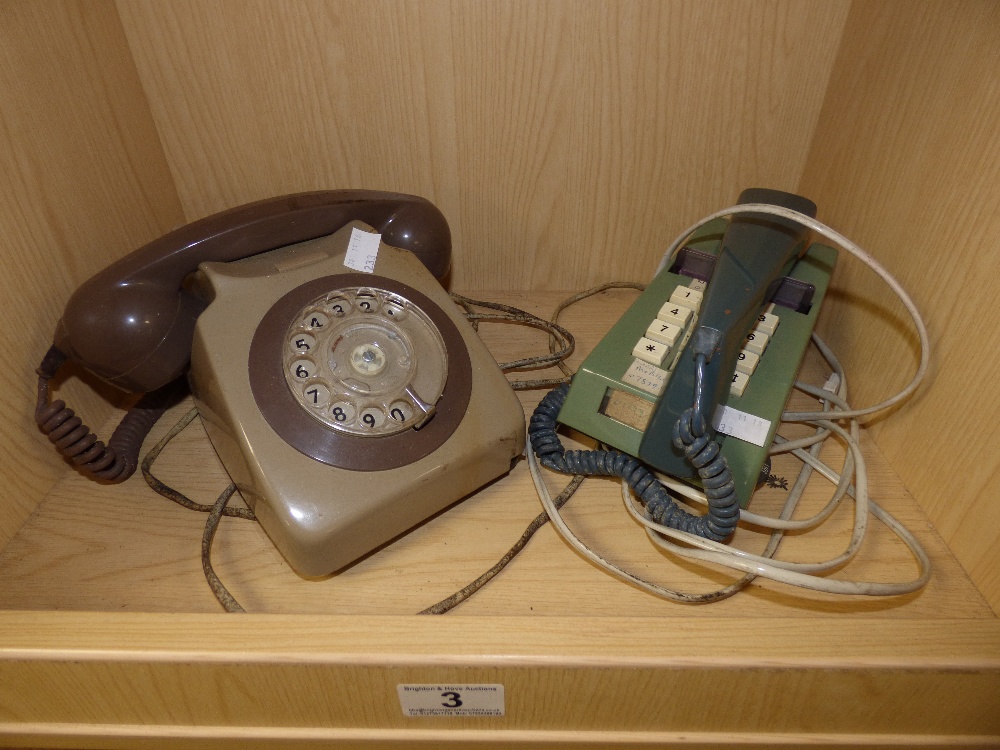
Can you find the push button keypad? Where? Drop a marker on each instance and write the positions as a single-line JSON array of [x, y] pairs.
[[753, 348], [665, 336], [676, 318]]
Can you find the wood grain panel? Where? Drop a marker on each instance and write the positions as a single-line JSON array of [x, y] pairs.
[[540, 697], [82, 181], [565, 141], [254, 99], [906, 161], [166, 737]]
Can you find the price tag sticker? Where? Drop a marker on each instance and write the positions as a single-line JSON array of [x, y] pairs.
[[741, 425], [362, 250], [451, 700]]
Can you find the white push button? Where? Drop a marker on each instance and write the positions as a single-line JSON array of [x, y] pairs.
[[756, 342], [650, 351], [665, 333], [671, 312], [686, 297], [747, 362], [740, 382], [767, 323]]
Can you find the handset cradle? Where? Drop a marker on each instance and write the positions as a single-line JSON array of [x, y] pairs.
[[350, 406]]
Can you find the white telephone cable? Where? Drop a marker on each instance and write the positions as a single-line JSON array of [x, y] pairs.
[[795, 447], [785, 572], [764, 566], [728, 557]]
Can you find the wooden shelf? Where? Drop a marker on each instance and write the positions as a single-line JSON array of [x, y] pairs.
[[104, 597]]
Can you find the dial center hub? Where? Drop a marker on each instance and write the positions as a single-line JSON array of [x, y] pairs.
[[367, 359]]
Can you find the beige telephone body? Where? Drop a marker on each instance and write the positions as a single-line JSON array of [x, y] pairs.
[[347, 406]]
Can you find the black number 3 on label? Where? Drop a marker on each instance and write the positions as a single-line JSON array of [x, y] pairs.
[[454, 700]]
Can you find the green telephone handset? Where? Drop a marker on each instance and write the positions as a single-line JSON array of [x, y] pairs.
[[343, 390]]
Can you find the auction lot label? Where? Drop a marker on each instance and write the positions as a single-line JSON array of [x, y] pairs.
[[451, 700]]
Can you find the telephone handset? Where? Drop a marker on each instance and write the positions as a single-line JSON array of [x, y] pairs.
[[132, 323], [349, 400], [756, 253]]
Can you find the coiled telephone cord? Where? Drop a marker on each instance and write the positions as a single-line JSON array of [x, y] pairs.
[[702, 451], [113, 462], [723, 511]]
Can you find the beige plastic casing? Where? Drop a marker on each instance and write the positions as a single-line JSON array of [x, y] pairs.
[[319, 516]]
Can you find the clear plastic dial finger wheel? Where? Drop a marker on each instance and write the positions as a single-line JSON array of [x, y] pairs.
[[365, 361]]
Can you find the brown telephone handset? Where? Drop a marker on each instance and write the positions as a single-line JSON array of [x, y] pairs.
[[348, 402]]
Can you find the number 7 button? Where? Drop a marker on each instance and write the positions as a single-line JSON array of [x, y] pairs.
[[665, 333]]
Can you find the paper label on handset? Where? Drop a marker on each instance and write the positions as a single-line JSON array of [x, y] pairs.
[[365, 361], [362, 250]]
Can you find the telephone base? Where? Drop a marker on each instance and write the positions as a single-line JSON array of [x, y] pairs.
[[614, 391], [339, 445]]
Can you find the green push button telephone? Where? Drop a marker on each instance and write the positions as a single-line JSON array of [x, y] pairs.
[[758, 287]]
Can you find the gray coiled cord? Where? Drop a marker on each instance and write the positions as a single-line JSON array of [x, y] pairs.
[[116, 461], [723, 513], [692, 436]]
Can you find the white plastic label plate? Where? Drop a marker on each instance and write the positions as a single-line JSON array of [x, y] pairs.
[[362, 250], [649, 378], [451, 700], [741, 425]]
